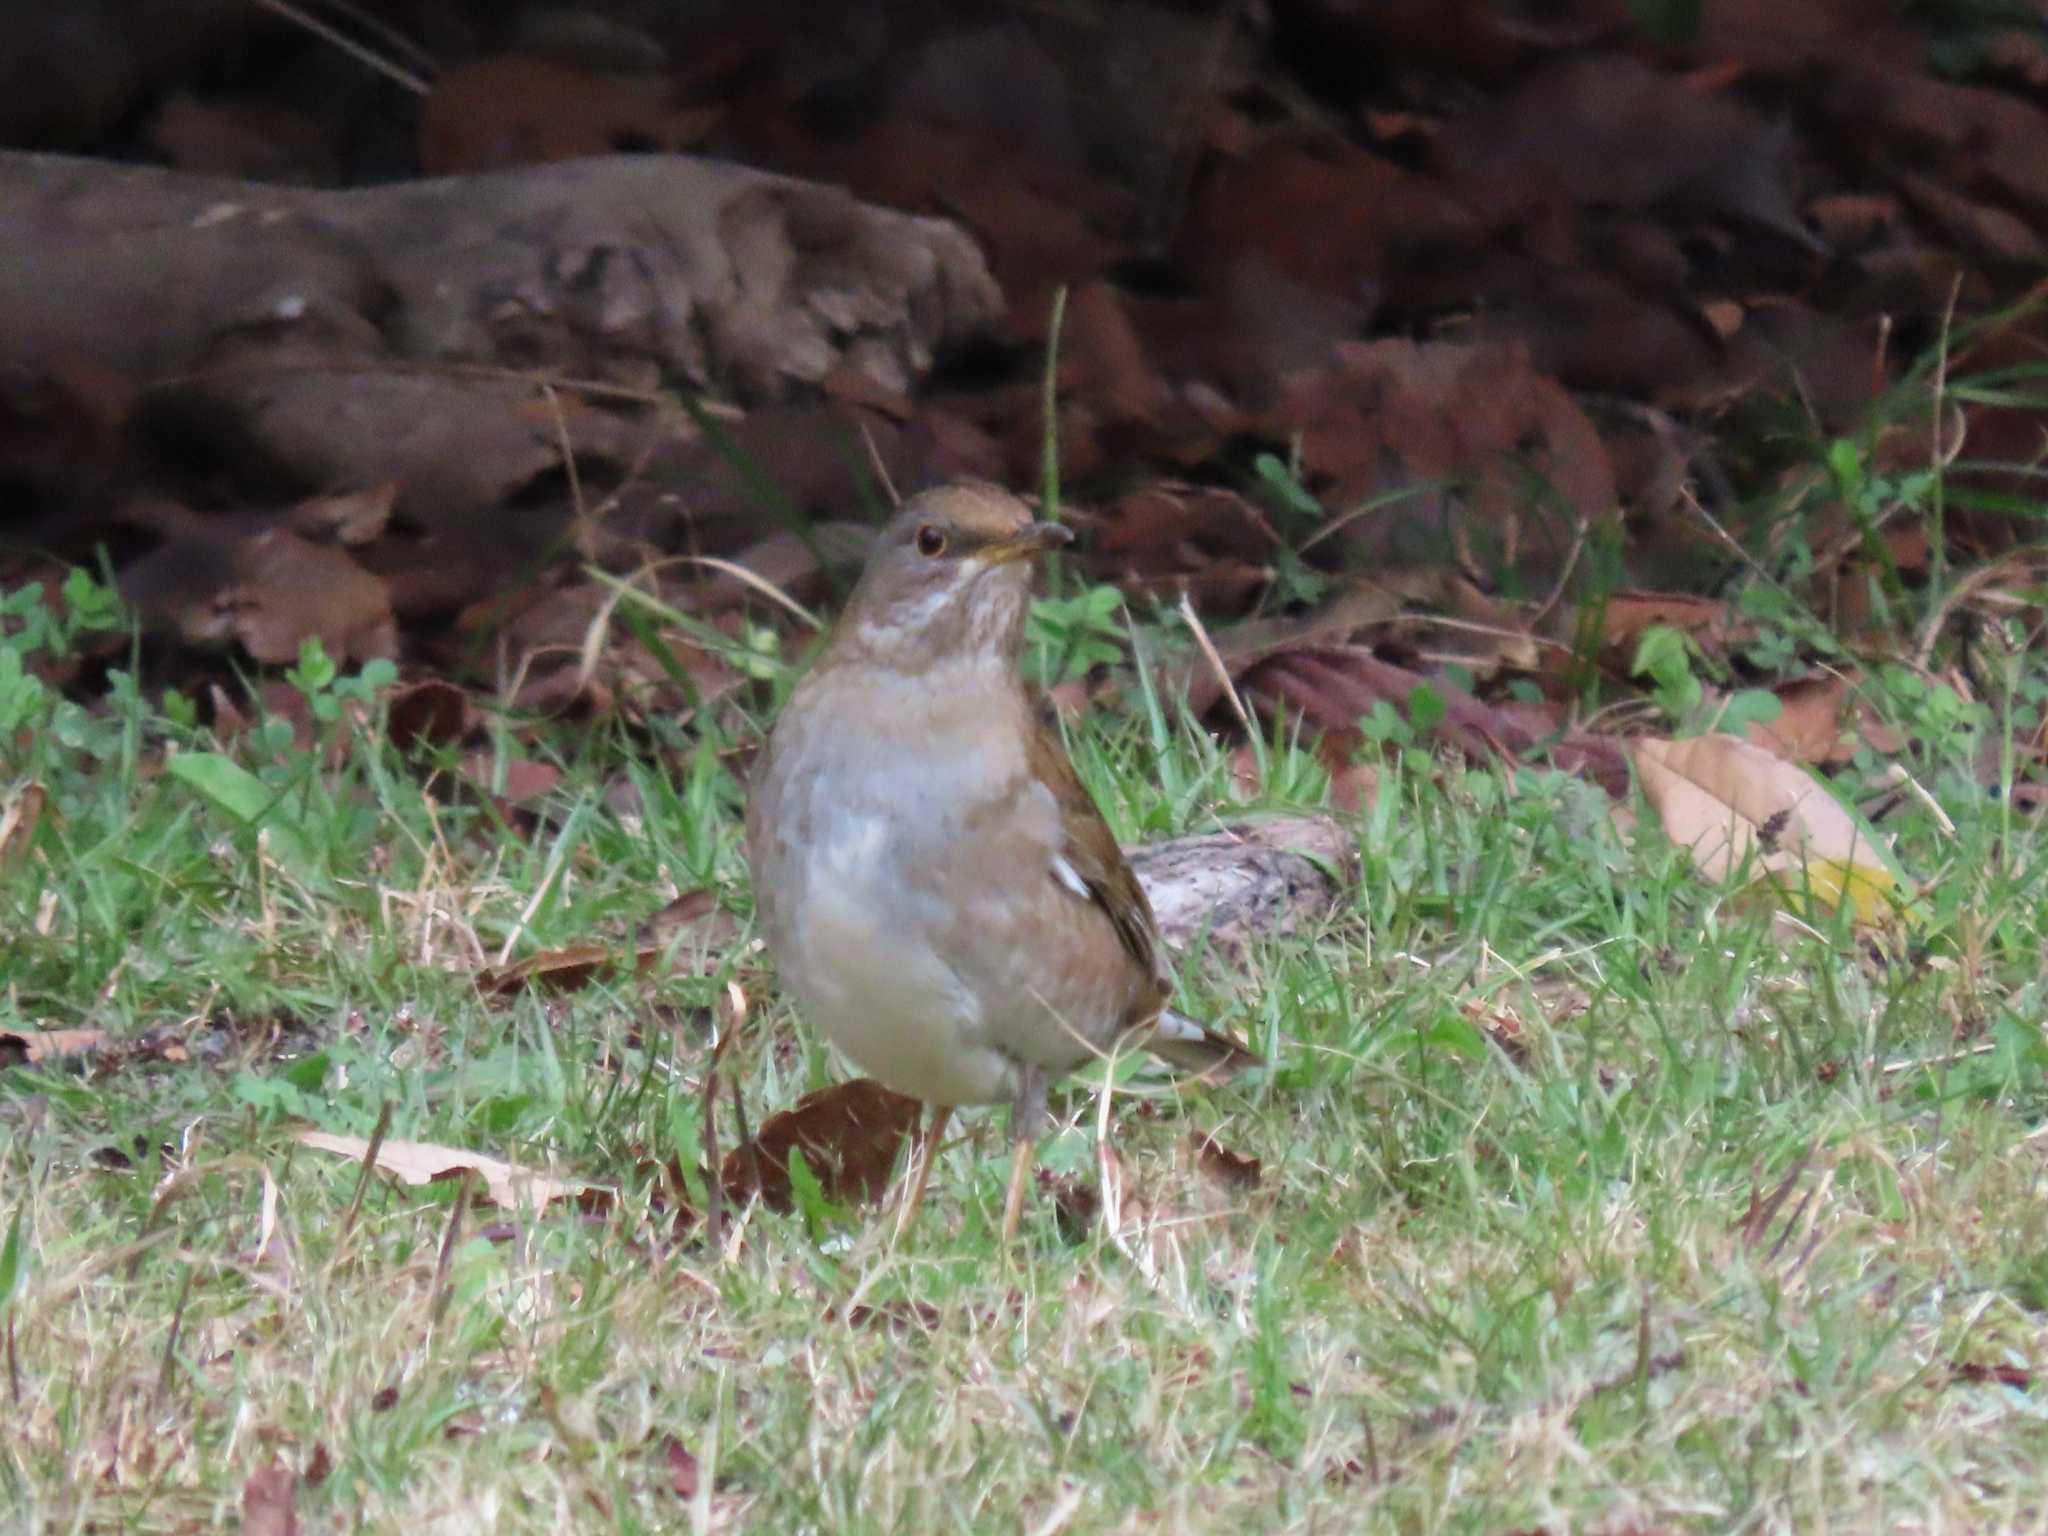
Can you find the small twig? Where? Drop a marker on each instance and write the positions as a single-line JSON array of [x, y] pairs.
[[1643, 1356], [1050, 406], [1984, 576], [1756, 566], [881, 470], [714, 1188], [1759, 1217], [389, 34], [163, 1375], [1571, 563], [745, 1137], [585, 544], [349, 46], [1937, 546], [448, 1239], [355, 1204], [1210, 655], [623, 585]]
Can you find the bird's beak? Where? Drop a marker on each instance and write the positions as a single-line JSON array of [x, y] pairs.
[[1031, 539]]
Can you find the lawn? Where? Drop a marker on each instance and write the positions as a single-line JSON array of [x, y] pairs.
[[1589, 1195]]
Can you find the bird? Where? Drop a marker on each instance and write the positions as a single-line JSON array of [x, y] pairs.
[[939, 893]]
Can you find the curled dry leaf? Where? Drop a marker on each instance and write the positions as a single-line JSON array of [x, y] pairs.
[[1709, 620], [1738, 808], [433, 711], [352, 517], [19, 818], [849, 1135], [419, 1162], [1218, 1162], [569, 969], [289, 591], [1334, 686]]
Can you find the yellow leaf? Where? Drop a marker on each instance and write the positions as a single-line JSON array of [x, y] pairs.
[[1736, 807]]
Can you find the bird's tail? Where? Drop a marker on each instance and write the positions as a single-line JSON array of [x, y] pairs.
[[1196, 1048]]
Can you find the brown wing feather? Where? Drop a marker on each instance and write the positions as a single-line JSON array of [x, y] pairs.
[[1090, 848]]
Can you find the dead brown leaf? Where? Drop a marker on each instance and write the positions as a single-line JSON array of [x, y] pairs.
[[1103, 360], [1809, 727], [1708, 620], [680, 1467], [1468, 429], [1614, 131], [19, 819], [433, 711], [1324, 217], [1735, 806], [417, 1163], [350, 517], [849, 1135], [514, 109], [569, 969], [36, 1046], [282, 591], [1231, 1169], [270, 1501], [1334, 687]]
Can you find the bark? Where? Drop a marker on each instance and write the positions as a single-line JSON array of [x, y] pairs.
[[318, 340], [1257, 880]]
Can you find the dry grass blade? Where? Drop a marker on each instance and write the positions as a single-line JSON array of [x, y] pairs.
[[1756, 1220], [441, 1293], [376, 1145]]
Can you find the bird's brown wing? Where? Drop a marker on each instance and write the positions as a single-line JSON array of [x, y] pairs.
[[1090, 851]]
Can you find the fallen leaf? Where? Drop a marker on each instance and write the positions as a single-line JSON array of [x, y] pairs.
[[681, 1466], [352, 517], [569, 969], [1226, 1167], [18, 822], [270, 1501], [1737, 807], [1389, 426], [434, 711], [2004, 1374], [849, 1135], [419, 1162], [35, 1046], [515, 109], [270, 590], [1808, 728]]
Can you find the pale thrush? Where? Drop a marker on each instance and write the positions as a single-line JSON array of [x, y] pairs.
[[939, 892]]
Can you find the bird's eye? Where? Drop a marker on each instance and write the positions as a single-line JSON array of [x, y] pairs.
[[931, 541]]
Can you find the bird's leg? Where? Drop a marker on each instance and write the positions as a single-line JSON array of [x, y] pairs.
[[921, 1169], [1027, 1116]]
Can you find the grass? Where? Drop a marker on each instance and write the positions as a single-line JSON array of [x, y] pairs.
[[1591, 1198]]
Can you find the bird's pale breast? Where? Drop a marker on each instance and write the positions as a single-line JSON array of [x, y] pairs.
[[872, 860]]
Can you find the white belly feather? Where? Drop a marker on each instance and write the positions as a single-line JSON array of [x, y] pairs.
[[875, 988], [860, 954]]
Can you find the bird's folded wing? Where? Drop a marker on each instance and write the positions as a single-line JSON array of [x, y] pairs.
[[1091, 865]]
